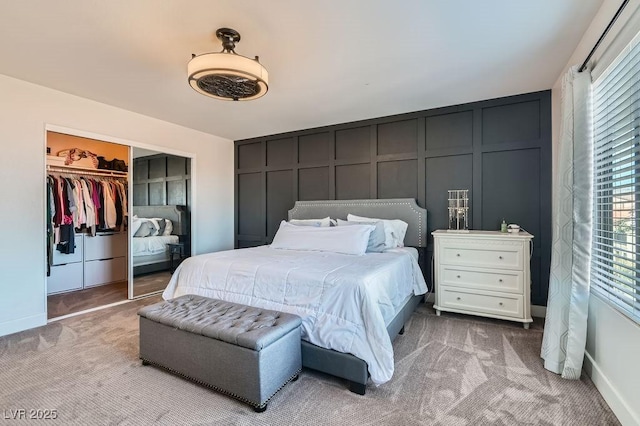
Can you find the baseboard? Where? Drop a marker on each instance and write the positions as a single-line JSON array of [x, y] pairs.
[[538, 311], [22, 324], [620, 408]]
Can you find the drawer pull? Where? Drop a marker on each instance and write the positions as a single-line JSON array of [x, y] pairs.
[[458, 254], [500, 280], [458, 298], [458, 276], [500, 303], [500, 257]]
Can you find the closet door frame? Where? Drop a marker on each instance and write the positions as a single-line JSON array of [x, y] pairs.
[[130, 144]]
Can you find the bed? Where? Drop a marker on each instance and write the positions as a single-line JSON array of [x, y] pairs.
[[150, 254], [352, 306]]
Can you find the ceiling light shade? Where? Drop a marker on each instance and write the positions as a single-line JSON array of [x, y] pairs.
[[227, 75]]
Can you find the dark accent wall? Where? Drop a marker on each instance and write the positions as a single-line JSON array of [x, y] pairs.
[[499, 149], [161, 180]]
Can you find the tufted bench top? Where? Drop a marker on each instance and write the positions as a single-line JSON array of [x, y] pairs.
[[241, 325]]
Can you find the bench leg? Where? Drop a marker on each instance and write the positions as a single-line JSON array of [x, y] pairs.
[[401, 332], [145, 362], [260, 409], [358, 388]]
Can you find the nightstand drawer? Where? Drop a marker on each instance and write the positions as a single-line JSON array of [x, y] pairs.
[[490, 279], [495, 304], [484, 254]]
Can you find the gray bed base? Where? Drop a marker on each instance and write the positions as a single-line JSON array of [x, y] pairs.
[[339, 364], [179, 217], [347, 366]]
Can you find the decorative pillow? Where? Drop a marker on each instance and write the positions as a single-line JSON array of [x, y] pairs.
[[160, 225], [376, 238], [168, 229], [146, 229], [311, 222], [336, 239], [394, 229]]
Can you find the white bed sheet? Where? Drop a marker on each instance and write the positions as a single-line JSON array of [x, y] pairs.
[[345, 301], [148, 246]]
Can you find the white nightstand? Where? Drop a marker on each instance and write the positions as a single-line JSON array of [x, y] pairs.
[[484, 273]]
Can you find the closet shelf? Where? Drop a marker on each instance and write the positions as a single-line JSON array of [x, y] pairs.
[[85, 171]]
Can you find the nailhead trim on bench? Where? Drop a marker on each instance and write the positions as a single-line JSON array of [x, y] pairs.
[[223, 391]]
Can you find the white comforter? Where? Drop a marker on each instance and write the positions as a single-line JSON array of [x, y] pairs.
[[148, 246], [344, 301]]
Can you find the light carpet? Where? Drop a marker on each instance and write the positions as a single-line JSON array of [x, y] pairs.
[[450, 370]]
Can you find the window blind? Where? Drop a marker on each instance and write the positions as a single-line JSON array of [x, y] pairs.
[[615, 266]]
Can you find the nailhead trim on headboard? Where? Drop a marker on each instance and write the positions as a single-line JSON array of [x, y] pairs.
[[409, 203]]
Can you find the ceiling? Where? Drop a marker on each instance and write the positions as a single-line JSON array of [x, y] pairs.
[[329, 61]]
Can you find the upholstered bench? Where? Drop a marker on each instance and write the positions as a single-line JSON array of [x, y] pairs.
[[245, 352]]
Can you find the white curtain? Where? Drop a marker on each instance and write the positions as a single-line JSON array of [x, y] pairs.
[[565, 330]]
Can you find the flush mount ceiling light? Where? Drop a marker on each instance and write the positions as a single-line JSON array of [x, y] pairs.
[[227, 75]]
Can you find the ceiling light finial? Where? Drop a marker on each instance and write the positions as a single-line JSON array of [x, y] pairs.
[[227, 75]]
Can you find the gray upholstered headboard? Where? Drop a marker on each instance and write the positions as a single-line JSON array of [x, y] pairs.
[[178, 215], [397, 208]]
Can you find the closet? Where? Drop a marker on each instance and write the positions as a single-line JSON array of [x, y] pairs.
[[99, 252], [87, 184]]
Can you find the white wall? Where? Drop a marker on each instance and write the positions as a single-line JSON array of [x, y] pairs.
[[25, 110], [613, 340]]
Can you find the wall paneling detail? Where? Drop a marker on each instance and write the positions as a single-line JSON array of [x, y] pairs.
[[499, 149]]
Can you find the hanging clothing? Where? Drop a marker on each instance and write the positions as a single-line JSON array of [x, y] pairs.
[[110, 215], [90, 212], [82, 203], [67, 243], [51, 211]]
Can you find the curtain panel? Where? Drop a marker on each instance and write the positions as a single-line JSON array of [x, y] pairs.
[[565, 330]]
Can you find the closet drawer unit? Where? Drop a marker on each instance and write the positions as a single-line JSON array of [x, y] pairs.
[[60, 258], [105, 246], [98, 272], [65, 278], [499, 304], [503, 280], [482, 253]]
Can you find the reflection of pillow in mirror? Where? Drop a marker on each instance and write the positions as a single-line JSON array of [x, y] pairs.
[[168, 229], [146, 229], [161, 225], [135, 225]]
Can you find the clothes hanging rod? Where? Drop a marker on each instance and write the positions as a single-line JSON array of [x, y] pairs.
[[606, 30], [79, 171]]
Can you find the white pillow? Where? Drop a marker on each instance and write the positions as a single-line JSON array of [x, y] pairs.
[[326, 221], [336, 239], [138, 221], [135, 224], [168, 228], [394, 229], [376, 238], [146, 229]]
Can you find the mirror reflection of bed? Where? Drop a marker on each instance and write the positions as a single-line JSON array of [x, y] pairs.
[[157, 231]]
